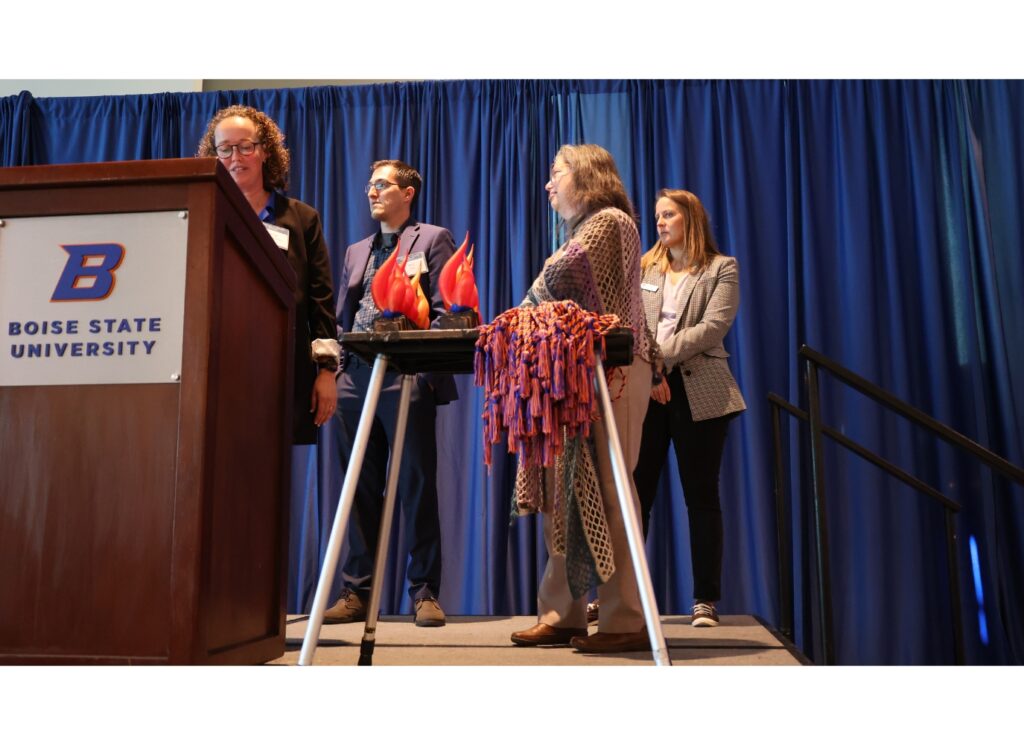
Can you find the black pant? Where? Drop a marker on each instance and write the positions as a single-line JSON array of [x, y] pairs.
[[699, 447], [417, 485]]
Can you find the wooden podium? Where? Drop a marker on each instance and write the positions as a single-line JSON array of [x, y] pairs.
[[147, 523]]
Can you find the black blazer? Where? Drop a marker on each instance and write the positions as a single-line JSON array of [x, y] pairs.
[[314, 302]]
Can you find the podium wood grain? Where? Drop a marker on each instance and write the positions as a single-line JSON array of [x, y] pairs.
[[148, 523]]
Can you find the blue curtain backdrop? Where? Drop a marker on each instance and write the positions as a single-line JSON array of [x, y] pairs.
[[877, 221]]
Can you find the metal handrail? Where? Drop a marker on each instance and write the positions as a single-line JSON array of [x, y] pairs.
[[915, 415], [863, 452], [814, 360]]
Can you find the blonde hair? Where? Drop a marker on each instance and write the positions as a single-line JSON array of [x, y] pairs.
[[275, 167], [699, 245]]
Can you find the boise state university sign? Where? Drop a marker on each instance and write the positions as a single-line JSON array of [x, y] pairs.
[[92, 299]]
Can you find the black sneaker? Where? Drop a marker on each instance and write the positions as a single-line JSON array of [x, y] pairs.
[[593, 611], [704, 614]]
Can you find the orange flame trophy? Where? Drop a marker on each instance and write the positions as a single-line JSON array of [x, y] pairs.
[[399, 298], [458, 290]]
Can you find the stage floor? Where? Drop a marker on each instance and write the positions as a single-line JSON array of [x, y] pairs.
[[484, 640]]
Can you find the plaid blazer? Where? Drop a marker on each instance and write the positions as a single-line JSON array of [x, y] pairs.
[[709, 304]]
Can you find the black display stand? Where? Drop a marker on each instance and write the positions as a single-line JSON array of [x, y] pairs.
[[452, 351]]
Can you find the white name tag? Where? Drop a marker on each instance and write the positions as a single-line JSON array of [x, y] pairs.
[[417, 264], [279, 234], [649, 287]]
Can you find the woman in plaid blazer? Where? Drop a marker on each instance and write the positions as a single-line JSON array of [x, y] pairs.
[[691, 294]]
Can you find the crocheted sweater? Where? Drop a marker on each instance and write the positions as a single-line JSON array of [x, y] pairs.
[[599, 268]]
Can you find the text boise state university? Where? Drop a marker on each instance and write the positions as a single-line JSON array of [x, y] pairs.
[[53, 338]]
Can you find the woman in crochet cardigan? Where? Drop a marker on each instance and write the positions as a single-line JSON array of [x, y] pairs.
[[598, 267]]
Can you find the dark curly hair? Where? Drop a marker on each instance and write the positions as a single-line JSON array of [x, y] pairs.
[[275, 167]]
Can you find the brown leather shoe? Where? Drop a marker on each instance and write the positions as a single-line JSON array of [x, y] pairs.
[[349, 609], [429, 612], [544, 635], [603, 641]]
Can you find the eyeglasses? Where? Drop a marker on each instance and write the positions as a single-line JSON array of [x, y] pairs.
[[245, 147], [556, 175], [379, 185]]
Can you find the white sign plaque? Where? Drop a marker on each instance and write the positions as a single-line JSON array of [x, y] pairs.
[[92, 299]]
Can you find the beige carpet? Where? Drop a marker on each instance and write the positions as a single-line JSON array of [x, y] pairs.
[[484, 640]]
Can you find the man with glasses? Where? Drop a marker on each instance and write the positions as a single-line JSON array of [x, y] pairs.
[[392, 191]]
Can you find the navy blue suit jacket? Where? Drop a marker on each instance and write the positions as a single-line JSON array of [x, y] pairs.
[[437, 246]]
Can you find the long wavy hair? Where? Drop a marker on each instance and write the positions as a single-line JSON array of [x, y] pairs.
[[278, 162], [596, 180], [699, 247]]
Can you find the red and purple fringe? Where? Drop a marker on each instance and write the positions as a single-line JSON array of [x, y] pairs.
[[536, 365]]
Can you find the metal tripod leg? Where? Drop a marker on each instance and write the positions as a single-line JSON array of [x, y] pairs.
[[348, 490], [634, 535], [386, 519]]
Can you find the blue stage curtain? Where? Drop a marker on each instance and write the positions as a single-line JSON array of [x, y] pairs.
[[15, 129], [877, 221]]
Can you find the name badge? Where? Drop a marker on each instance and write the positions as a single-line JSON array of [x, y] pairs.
[[417, 264], [279, 234], [649, 287]]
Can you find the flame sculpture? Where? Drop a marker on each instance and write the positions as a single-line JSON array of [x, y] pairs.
[[395, 294], [458, 287]]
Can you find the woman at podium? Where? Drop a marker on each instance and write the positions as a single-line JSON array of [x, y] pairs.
[[251, 147]]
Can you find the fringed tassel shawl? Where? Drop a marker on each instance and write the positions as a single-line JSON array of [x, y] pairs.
[[536, 365]]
